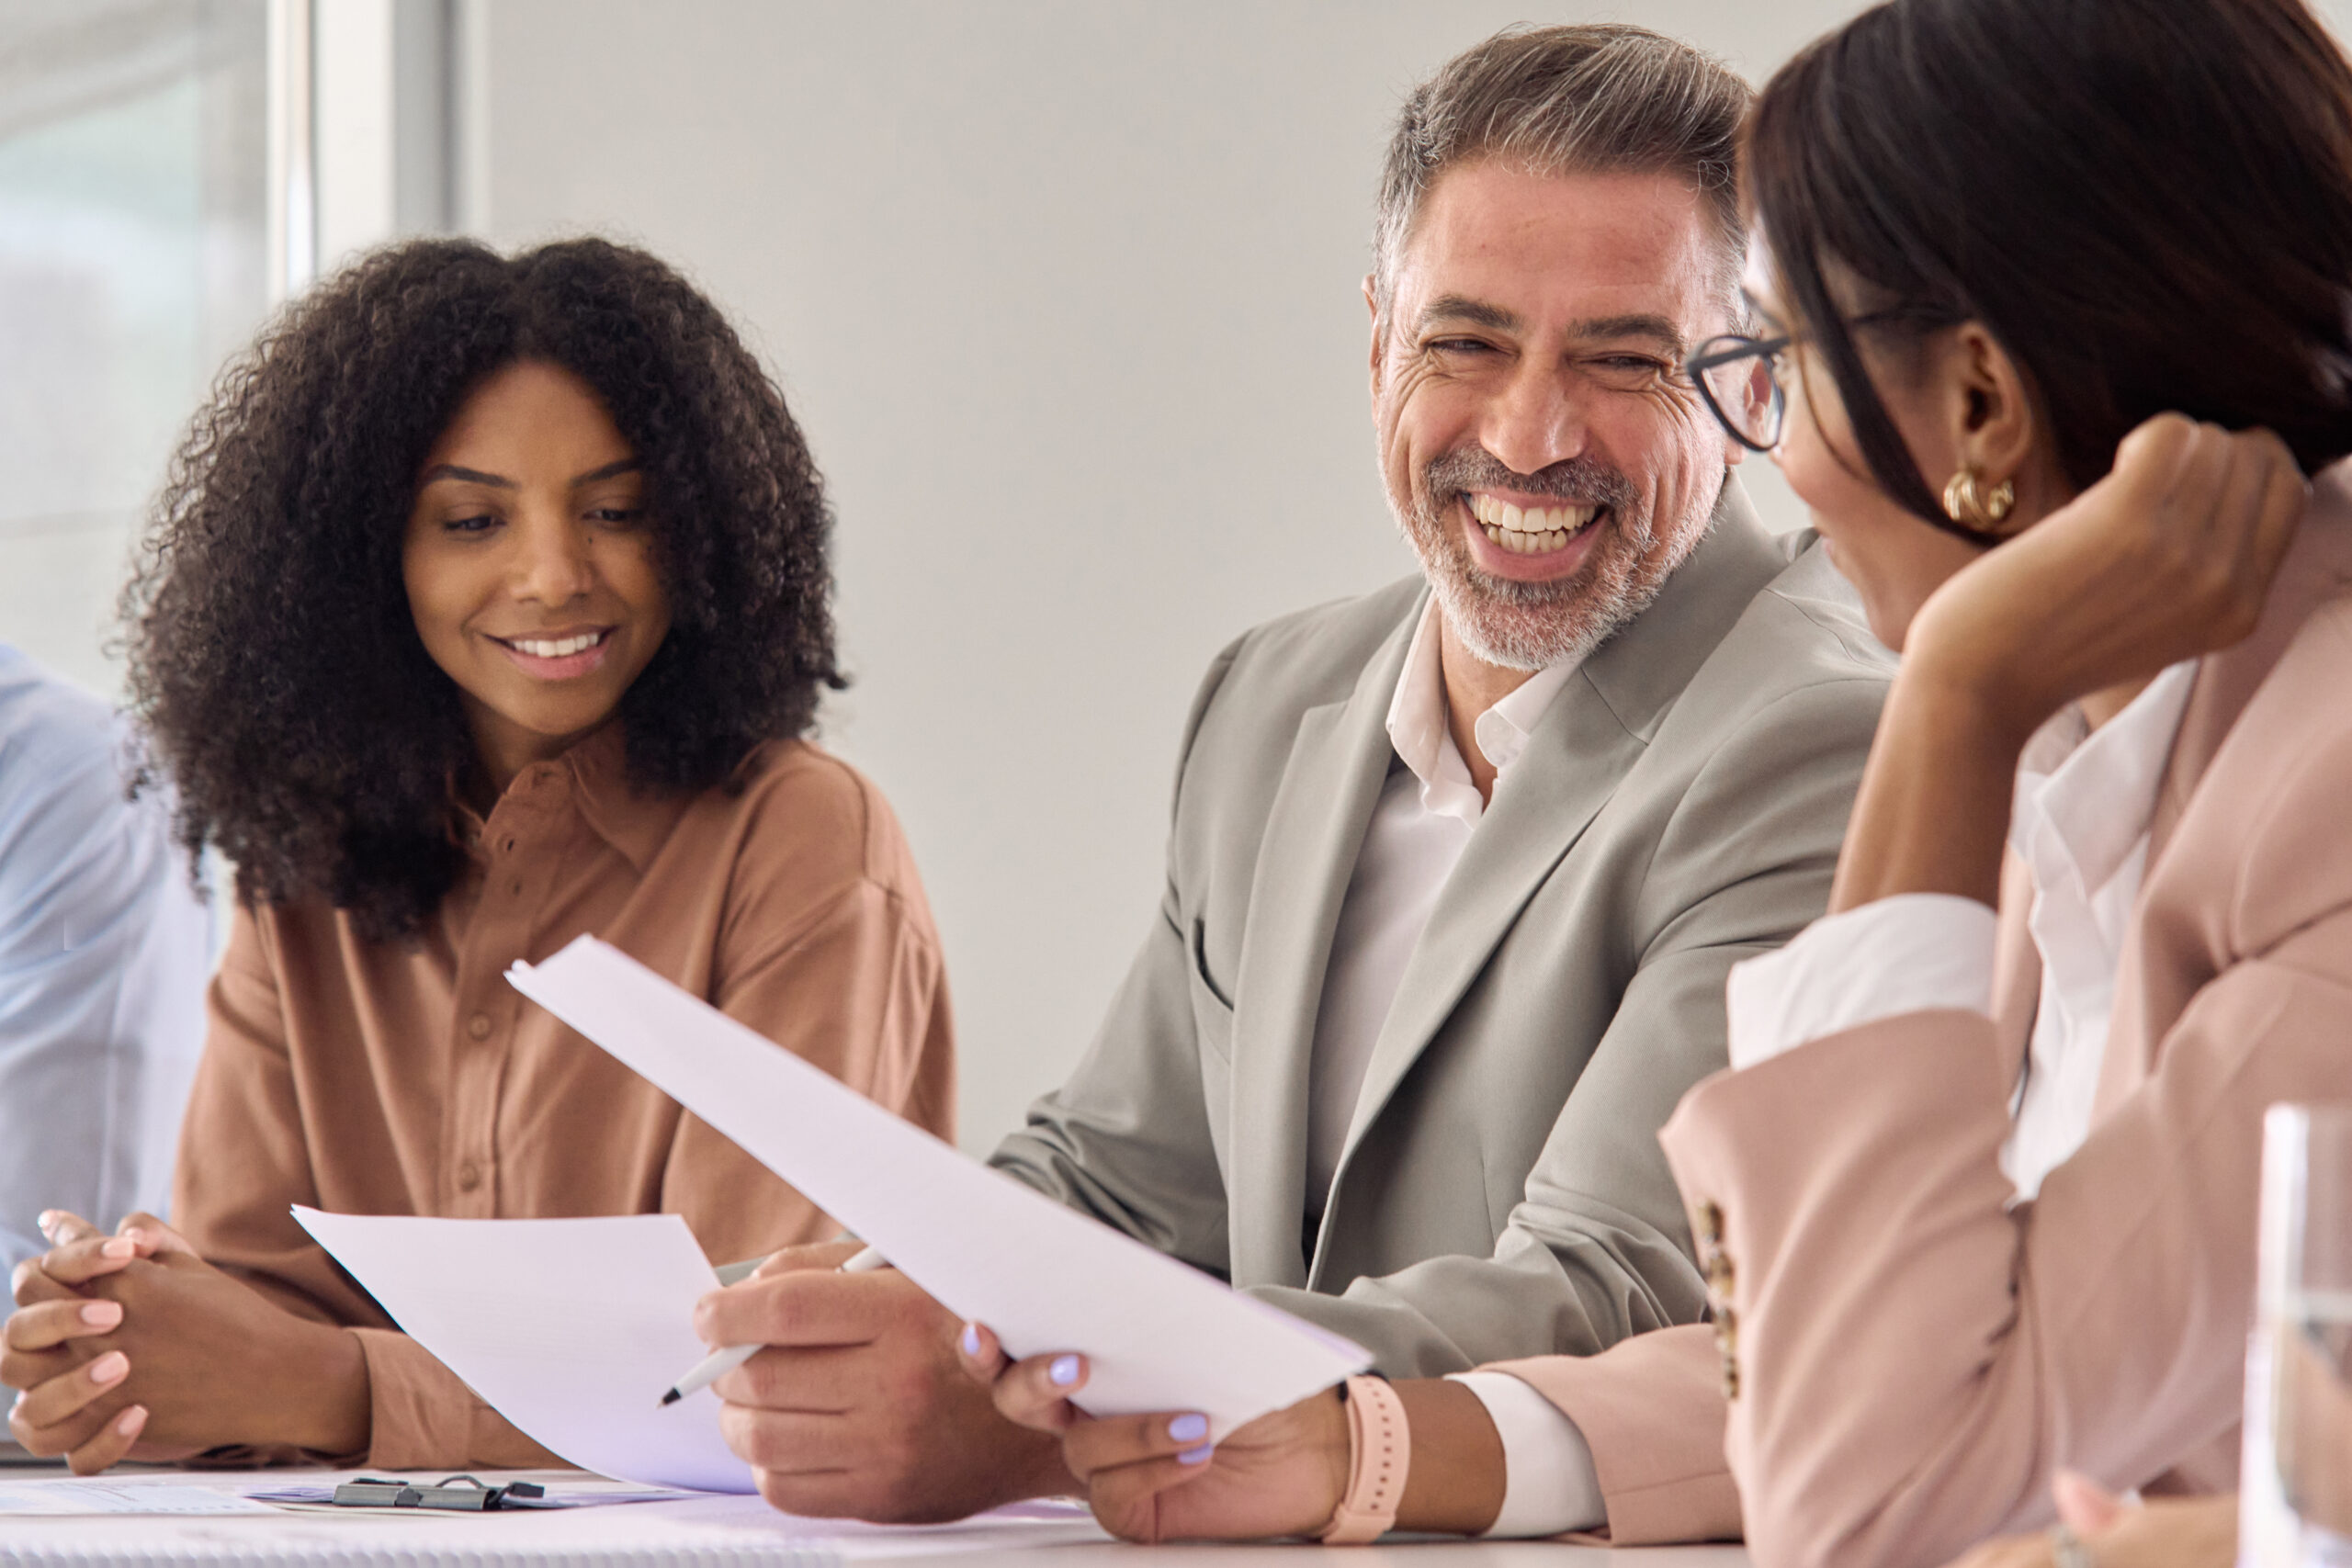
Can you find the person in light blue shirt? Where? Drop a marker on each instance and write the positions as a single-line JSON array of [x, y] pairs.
[[105, 949]]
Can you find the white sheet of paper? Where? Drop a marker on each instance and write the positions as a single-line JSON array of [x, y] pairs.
[[62, 1498], [568, 1328], [1160, 1336]]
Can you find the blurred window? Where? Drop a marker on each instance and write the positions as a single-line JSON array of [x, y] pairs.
[[133, 234]]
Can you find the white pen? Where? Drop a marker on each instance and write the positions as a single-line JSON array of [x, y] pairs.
[[718, 1364]]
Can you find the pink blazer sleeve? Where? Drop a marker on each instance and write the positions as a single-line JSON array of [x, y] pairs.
[[1651, 1409], [1913, 1358]]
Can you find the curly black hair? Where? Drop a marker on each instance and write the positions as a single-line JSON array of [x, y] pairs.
[[274, 662]]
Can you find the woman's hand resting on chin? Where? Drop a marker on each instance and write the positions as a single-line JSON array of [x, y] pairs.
[[2169, 557]]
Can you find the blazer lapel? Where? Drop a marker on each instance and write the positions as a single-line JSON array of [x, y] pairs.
[[2317, 566], [1338, 760], [1588, 739]]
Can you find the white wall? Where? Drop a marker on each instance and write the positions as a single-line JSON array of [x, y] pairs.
[[1066, 297]]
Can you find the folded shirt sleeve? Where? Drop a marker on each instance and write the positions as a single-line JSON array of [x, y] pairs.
[[1549, 1485], [1912, 952], [421, 1414]]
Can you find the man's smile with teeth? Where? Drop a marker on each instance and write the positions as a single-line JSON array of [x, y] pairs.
[[1533, 530], [562, 648]]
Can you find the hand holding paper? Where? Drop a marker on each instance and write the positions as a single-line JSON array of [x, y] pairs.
[[1159, 1336], [570, 1328]]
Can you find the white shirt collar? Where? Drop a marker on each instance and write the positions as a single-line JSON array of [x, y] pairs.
[[1416, 714], [2098, 788]]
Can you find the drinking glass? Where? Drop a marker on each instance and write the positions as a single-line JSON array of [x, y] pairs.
[[2297, 1482]]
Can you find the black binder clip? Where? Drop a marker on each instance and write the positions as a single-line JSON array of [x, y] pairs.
[[458, 1494]]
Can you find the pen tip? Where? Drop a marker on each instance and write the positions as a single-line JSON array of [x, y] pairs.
[[670, 1398]]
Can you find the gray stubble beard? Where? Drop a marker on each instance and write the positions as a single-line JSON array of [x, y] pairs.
[[1533, 625]]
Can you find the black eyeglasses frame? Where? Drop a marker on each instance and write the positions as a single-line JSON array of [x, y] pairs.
[[1729, 348]]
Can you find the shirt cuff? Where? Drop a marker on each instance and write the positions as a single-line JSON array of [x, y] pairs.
[[1549, 1485], [1912, 952]]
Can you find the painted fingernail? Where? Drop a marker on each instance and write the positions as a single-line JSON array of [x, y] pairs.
[[110, 1368], [119, 1247], [971, 1340], [102, 1314], [130, 1420], [1196, 1456], [1188, 1429], [1064, 1371]]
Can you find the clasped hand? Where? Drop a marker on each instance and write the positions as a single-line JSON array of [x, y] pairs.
[[132, 1346], [60, 1346]]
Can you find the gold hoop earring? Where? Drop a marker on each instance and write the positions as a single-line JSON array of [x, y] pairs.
[[1967, 503]]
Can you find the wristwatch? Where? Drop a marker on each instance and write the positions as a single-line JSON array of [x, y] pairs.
[[1379, 1449]]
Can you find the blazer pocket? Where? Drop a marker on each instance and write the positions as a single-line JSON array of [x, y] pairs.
[[1212, 1011], [1201, 965]]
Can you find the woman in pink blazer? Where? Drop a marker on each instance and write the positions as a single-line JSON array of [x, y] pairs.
[[2052, 315]]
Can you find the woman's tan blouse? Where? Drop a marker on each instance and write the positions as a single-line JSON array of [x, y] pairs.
[[410, 1078]]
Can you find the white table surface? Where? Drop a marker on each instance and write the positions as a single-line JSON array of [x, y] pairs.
[[742, 1527]]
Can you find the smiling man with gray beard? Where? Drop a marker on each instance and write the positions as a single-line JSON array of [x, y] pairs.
[[1457, 869]]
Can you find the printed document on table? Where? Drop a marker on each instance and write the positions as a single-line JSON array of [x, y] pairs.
[[1161, 1336], [81, 1498], [568, 1328]]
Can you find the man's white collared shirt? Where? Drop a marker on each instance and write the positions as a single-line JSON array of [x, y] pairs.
[[1423, 821], [1427, 812]]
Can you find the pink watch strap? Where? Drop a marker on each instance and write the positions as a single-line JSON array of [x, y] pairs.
[[1380, 1447]]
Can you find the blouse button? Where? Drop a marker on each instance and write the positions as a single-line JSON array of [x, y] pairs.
[[468, 1177], [479, 1026]]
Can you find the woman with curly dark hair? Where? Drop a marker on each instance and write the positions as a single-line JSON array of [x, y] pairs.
[[486, 606]]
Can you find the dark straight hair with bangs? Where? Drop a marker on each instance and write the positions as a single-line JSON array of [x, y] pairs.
[[2147, 202]]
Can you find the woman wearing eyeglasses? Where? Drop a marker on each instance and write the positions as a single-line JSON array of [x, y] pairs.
[[2054, 304]]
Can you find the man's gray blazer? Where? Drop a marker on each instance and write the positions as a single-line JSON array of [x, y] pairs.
[[1501, 1193]]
